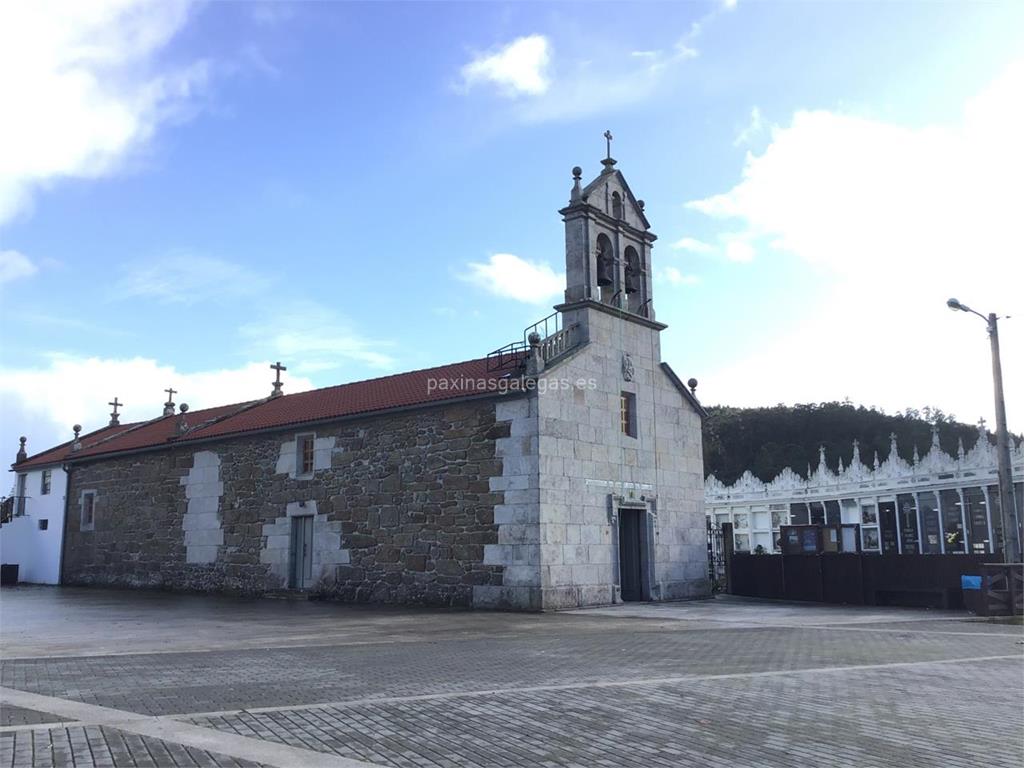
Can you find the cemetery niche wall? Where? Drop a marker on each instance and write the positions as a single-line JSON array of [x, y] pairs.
[[935, 504]]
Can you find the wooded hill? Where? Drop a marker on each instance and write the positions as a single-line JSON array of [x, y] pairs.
[[766, 440]]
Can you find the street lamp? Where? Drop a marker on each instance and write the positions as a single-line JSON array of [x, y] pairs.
[[1011, 544]]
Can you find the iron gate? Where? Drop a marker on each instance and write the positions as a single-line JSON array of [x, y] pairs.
[[716, 555]]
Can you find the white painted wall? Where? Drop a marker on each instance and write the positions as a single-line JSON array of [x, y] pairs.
[[37, 552]]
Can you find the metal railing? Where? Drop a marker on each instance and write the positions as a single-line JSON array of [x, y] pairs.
[[555, 340]]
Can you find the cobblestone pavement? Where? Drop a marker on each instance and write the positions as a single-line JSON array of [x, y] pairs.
[[725, 682]]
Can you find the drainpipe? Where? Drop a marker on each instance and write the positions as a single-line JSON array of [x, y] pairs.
[[64, 527]]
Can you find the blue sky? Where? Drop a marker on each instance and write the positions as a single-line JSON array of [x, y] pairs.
[[190, 191]]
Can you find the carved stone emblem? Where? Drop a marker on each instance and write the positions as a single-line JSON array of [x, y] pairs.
[[627, 367]]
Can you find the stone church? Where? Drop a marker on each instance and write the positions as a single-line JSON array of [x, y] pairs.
[[561, 470]]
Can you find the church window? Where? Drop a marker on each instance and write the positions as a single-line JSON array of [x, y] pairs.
[[616, 205], [44, 482], [304, 459], [627, 413], [88, 511]]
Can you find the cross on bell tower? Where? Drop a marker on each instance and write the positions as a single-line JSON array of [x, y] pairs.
[[608, 242], [608, 162]]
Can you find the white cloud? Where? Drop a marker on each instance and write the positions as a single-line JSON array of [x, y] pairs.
[[39, 402], [582, 87], [310, 337], [893, 220], [518, 68], [754, 127], [577, 83], [738, 249], [14, 266], [183, 278], [731, 246], [511, 277], [692, 245], [675, 277], [81, 89]]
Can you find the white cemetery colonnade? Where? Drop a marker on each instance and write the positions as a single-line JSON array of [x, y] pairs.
[[937, 504]]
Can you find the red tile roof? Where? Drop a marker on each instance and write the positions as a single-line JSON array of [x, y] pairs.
[[399, 391], [159, 431], [61, 452], [403, 390]]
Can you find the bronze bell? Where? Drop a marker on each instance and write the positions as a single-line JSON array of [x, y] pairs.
[[605, 266], [632, 278]]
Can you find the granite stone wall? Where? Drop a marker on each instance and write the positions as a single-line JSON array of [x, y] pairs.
[[410, 494]]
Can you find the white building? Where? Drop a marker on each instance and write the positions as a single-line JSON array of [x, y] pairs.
[[32, 537], [32, 531], [936, 504]]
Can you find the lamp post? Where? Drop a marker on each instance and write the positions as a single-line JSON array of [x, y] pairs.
[[1007, 507]]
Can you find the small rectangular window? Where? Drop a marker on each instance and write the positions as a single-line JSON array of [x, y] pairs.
[[305, 455], [88, 517], [44, 524], [627, 413], [44, 482]]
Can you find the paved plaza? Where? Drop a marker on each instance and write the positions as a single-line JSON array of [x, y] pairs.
[[112, 678]]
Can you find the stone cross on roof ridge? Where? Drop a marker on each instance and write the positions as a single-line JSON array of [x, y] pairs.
[[169, 405], [277, 368], [113, 416]]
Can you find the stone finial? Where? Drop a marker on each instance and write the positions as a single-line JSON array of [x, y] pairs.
[[114, 421], [692, 384], [875, 463], [917, 456], [535, 355], [893, 453], [276, 383], [577, 191], [76, 445], [960, 452], [856, 453], [169, 405], [182, 425], [935, 437], [22, 454]]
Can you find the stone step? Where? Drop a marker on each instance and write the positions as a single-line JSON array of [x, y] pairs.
[[288, 594]]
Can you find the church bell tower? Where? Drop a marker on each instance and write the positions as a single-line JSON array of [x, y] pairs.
[[607, 243]]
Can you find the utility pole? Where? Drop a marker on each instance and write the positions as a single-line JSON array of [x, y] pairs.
[[1011, 528], [1007, 505]]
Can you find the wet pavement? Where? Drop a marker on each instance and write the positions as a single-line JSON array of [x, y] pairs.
[[112, 678]]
